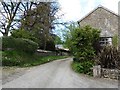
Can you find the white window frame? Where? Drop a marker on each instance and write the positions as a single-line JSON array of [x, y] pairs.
[[105, 41]]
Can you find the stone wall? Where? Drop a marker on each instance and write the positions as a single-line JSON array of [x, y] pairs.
[[102, 19], [52, 53], [45, 53], [110, 73], [106, 73]]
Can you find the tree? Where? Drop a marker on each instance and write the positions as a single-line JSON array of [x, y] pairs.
[[81, 40], [8, 14], [40, 21], [11, 13], [68, 33], [39, 18], [58, 40]]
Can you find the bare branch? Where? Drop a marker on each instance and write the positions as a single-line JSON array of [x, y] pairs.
[[2, 13], [4, 7], [10, 9], [1, 31]]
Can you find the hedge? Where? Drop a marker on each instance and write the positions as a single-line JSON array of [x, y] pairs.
[[19, 44]]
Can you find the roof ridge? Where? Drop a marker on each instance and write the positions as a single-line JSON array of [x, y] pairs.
[[99, 6], [109, 10]]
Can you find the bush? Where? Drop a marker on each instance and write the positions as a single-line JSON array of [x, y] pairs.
[[115, 41], [25, 45], [81, 42], [11, 58], [83, 67], [76, 59], [19, 44], [21, 33], [109, 57], [7, 42]]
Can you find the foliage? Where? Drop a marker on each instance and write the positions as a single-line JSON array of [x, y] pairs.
[[115, 40], [50, 44], [19, 44], [40, 21], [37, 18], [25, 45], [11, 58], [58, 40], [83, 67], [109, 57], [22, 59], [21, 33], [7, 42], [81, 40], [68, 35]]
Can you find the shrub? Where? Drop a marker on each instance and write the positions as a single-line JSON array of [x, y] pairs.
[[25, 45], [21, 33], [11, 58], [7, 42], [83, 67], [115, 40], [19, 44], [81, 42], [8, 62], [76, 59], [109, 57]]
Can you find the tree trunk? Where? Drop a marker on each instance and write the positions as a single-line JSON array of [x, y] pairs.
[[5, 34]]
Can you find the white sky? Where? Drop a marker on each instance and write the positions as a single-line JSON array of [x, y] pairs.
[[76, 9]]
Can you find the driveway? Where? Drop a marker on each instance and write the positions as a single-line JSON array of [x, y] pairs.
[[58, 74]]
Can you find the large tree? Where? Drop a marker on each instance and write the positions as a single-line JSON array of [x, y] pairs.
[[8, 13], [41, 20], [11, 13]]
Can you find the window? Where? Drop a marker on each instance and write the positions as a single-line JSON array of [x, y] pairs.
[[105, 41]]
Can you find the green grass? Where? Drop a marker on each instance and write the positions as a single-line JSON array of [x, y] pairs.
[[21, 59], [83, 67]]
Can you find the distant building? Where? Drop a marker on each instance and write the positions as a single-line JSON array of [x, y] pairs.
[[60, 50], [103, 19]]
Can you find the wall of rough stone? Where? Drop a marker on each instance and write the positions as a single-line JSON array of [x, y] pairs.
[[52, 53], [103, 20], [110, 73], [106, 73]]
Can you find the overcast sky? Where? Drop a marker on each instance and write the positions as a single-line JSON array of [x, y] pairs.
[[76, 9]]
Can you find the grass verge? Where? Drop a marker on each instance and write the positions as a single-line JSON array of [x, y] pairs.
[[22, 59]]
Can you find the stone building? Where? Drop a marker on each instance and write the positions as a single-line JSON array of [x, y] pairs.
[[103, 19]]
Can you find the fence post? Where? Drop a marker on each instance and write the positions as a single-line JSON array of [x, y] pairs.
[[97, 71]]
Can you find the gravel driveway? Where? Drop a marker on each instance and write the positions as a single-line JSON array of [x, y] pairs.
[[57, 74]]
